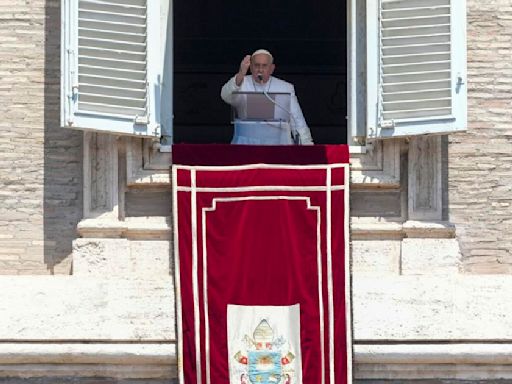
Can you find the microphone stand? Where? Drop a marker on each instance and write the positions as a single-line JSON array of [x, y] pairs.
[[295, 135]]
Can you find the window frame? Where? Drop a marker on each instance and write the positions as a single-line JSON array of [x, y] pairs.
[[430, 125], [71, 117]]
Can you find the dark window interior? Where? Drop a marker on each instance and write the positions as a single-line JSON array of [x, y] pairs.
[[307, 39]]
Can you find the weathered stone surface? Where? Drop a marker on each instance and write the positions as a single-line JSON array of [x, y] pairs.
[[479, 168], [107, 257], [40, 164], [432, 381], [391, 308], [89, 374], [424, 178], [121, 258], [407, 363], [451, 307], [88, 308], [152, 258], [376, 257], [142, 228], [78, 380], [88, 353], [116, 361], [81, 380], [435, 353], [430, 257]]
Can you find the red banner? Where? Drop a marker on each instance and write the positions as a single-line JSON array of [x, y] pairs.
[[262, 275]]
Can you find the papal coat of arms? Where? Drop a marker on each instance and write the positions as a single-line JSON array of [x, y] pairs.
[[266, 358]]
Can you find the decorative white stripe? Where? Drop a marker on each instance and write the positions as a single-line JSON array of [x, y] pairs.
[[179, 315], [321, 299], [348, 284], [263, 188], [195, 284], [205, 298], [222, 168], [328, 218], [246, 198], [213, 207]]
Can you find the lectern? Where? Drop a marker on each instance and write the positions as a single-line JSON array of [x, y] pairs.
[[261, 117], [261, 264]]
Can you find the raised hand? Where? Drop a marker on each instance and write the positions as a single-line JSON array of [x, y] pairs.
[[244, 67]]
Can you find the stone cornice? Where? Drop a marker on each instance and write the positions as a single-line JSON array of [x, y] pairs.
[[361, 229], [154, 227]]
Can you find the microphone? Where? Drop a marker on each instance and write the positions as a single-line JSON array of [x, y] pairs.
[[260, 77], [295, 135]]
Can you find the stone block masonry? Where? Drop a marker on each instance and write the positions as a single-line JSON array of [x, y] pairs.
[[40, 163], [480, 160]]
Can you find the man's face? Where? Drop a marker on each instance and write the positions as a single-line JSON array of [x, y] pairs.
[[261, 65]]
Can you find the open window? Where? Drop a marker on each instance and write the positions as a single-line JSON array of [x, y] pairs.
[[111, 66], [307, 39], [416, 67], [398, 71]]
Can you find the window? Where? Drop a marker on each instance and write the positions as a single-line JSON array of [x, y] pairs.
[[416, 58], [111, 71], [309, 45], [406, 70]]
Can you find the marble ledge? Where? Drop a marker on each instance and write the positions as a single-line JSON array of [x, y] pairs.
[[160, 227], [88, 353], [361, 229], [148, 227], [434, 353], [165, 353]]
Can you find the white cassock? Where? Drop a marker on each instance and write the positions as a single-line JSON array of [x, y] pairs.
[[267, 133]]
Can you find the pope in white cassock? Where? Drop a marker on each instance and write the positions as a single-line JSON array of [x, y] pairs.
[[262, 66]]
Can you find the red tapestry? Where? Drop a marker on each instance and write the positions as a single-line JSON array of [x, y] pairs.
[[262, 276]]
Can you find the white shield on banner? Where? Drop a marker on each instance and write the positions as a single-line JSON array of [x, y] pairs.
[[264, 344]]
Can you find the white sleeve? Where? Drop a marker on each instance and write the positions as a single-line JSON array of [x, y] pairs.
[[298, 123], [227, 91]]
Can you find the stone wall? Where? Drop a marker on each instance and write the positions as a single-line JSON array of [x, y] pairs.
[[480, 160], [40, 163], [95, 380], [75, 380]]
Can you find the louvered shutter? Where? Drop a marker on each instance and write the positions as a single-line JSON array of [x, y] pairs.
[[416, 60], [110, 71]]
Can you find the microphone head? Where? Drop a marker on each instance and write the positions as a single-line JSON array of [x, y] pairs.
[[260, 77]]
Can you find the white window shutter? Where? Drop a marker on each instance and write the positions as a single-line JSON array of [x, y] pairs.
[[416, 67], [111, 66]]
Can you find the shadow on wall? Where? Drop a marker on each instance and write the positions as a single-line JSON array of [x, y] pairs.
[[63, 203]]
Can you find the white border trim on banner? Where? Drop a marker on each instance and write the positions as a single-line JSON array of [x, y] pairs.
[[307, 199], [223, 168], [195, 282], [348, 276], [179, 317], [329, 188]]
